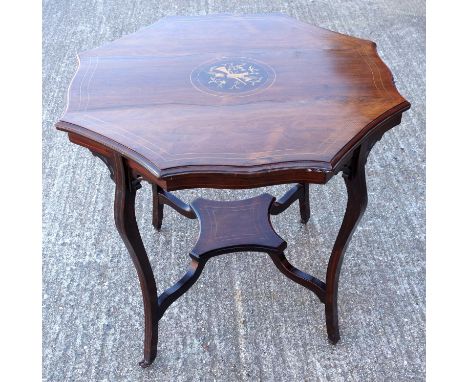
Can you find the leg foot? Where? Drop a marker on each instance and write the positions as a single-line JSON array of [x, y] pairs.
[[331, 317], [334, 339], [144, 364]]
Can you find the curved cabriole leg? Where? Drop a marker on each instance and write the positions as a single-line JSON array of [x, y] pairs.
[[158, 208], [183, 285], [125, 221], [304, 203], [355, 180]]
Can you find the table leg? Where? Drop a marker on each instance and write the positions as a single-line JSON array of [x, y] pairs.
[[355, 180], [304, 203], [158, 207], [125, 221]]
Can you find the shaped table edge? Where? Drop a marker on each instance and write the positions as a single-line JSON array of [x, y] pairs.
[[232, 177]]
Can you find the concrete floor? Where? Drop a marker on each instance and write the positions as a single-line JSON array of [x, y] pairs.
[[242, 321]]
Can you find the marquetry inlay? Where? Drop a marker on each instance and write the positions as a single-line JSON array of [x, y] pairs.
[[233, 76]]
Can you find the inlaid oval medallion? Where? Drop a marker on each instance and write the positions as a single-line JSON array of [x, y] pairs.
[[232, 76]]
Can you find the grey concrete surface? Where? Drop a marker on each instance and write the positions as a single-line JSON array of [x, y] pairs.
[[242, 321]]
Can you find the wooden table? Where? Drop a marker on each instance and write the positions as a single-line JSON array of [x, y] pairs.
[[232, 102]]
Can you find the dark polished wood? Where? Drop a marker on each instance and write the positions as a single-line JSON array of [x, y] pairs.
[[355, 180], [107, 161], [232, 102], [180, 287], [304, 204], [298, 192], [310, 282], [124, 212], [177, 204], [324, 92], [158, 207], [235, 226]]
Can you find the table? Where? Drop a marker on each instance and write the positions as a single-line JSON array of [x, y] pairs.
[[232, 102]]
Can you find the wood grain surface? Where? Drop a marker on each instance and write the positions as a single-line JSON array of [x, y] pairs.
[[242, 320], [263, 95]]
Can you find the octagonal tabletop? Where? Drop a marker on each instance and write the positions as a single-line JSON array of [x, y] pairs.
[[224, 100]]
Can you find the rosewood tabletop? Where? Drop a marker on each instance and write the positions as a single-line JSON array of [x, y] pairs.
[[219, 101], [228, 101]]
